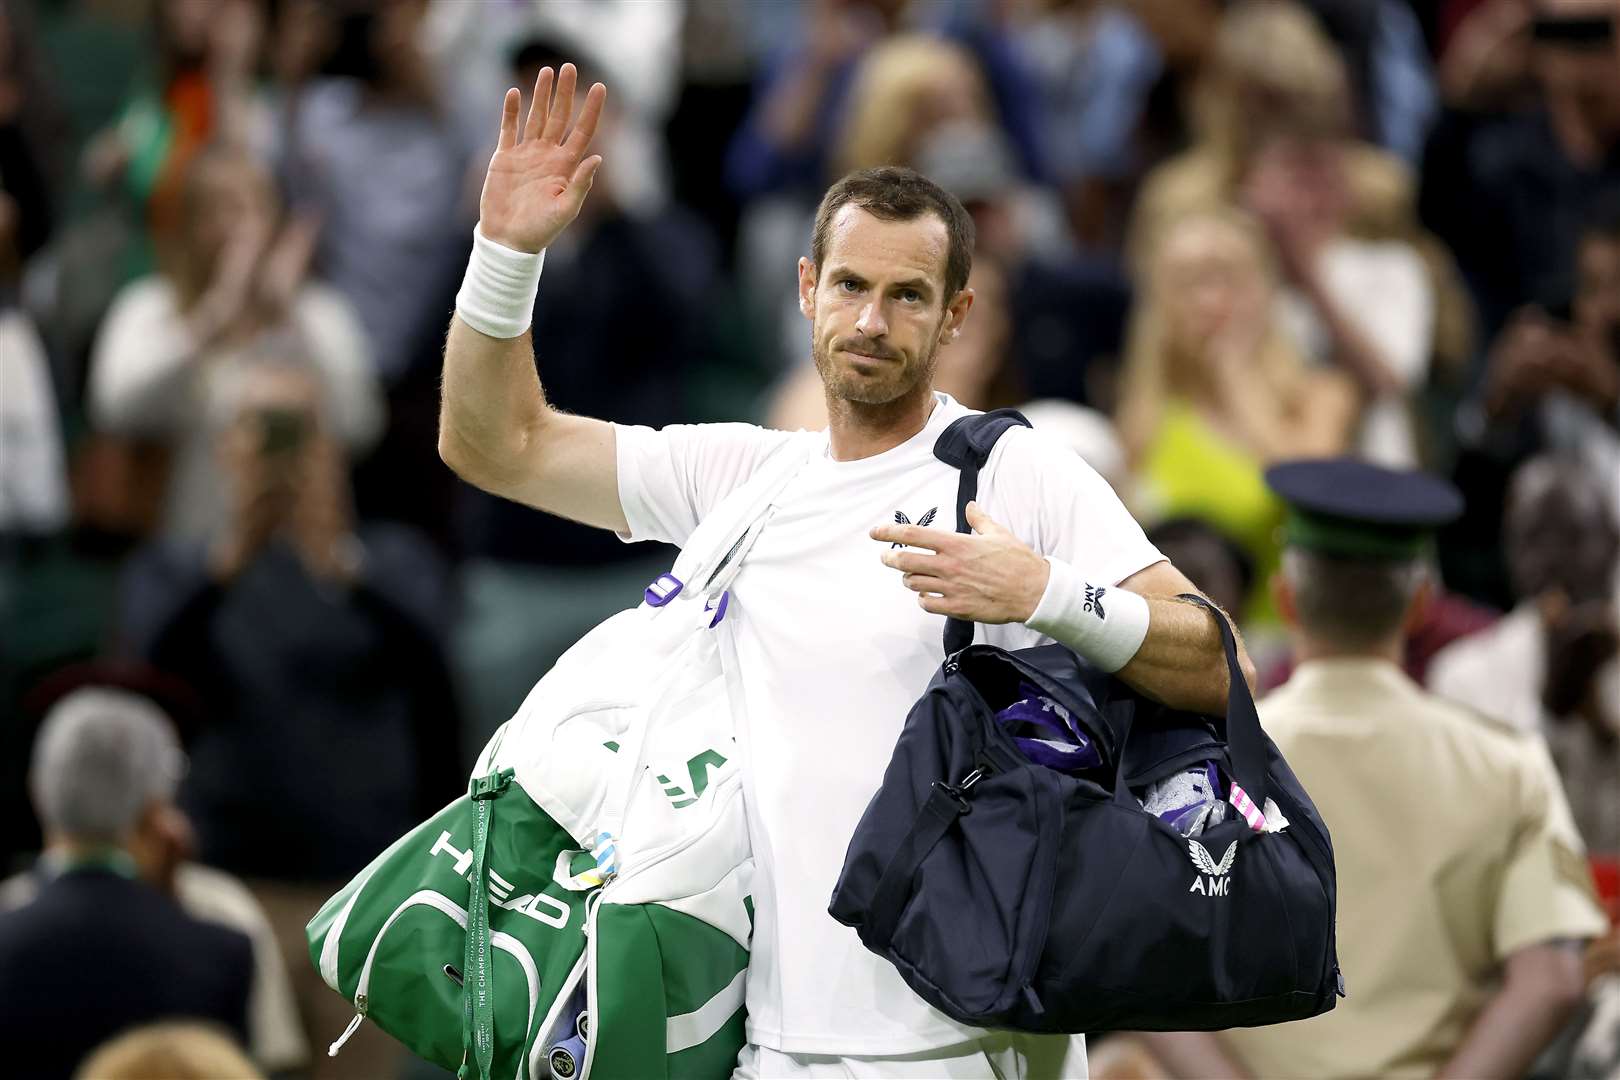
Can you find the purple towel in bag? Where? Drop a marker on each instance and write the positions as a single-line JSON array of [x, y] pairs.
[[1046, 732]]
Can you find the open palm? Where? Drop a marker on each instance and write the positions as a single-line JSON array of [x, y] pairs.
[[538, 180]]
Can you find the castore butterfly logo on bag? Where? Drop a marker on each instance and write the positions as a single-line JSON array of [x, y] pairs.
[[1219, 883]]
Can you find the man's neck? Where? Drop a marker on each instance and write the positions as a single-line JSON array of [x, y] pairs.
[[857, 430], [1307, 648], [68, 852]]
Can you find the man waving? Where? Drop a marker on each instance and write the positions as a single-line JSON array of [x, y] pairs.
[[840, 608]]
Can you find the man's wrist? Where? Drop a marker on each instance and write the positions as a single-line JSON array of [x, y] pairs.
[[1103, 623], [497, 294]]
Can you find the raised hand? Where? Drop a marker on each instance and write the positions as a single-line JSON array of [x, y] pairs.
[[538, 179]]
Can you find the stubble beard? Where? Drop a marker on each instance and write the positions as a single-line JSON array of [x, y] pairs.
[[843, 385]]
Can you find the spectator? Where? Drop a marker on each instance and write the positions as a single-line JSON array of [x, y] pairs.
[[169, 1052], [1364, 306], [317, 646], [1391, 76], [1566, 374], [598, 363], [1534, 173], [235, 291], [903, 89], [33, 475], [162, 845], [787, 144], [208, 54], [371, 150], [1551, 667], [1274, 72], [1213, 391], [1552, 383], [98, 949], [1094, 67], [1067, 310]]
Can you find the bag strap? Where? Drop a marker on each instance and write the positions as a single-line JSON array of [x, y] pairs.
[[966, 445], [1245, 742], [708, 564], [713, 553], [944, 805], [477, 980]]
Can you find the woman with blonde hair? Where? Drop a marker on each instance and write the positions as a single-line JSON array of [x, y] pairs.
[[1213, 390], [905, 89], [1274, 74]]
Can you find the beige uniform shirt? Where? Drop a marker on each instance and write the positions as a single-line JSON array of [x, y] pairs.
[[1454, 847]]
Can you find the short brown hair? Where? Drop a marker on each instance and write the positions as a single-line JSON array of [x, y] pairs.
[[891, 193]]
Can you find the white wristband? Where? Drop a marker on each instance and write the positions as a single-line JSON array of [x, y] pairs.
[[1102, 623], [497, 295]]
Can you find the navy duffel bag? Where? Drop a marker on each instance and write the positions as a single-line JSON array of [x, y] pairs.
[[1012, 895]]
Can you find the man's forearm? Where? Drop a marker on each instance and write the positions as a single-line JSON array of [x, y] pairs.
[[1181, 663], [491, 403]]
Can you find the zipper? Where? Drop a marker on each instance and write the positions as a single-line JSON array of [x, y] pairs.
[[354, 1025], [538, 1068], [591, 906], [427, 898]]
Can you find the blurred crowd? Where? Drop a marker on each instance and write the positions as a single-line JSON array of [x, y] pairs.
[[243, 602]]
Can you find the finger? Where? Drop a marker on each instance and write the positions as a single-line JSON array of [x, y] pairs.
[[562, 110], [942, 605], [584, 175], [913, 536], [509, 119], [539, 105], [585, 130], [924, 583], [911, 562], [979, 521]]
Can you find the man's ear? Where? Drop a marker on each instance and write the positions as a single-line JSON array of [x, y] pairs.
[[1418, 609], [956, 313], [1282, 594], [807, 288]]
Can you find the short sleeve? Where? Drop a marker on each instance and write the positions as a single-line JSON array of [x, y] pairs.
[[671, 477], [1059, 505], [1547, 892]]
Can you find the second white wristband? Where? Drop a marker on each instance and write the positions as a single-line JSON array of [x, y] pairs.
[[1103, 623], [497, 295]]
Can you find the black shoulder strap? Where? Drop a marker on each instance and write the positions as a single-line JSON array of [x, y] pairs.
[[966, 445]]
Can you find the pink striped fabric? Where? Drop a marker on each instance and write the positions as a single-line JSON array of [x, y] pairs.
[[1245, 805]]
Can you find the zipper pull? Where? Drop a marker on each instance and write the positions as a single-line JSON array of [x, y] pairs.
[[332, 1051]]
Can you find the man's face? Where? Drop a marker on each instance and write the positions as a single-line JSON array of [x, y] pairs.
[[878, 308]]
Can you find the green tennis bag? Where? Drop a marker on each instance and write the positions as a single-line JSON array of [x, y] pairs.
[[585, 910]]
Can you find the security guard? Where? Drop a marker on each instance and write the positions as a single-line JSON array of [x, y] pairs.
[[1462, 888]]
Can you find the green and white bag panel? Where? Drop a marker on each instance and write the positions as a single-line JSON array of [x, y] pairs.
[[667, 959], [394, 941]]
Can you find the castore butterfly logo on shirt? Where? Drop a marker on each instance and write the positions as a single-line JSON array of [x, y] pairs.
[[922, 522]]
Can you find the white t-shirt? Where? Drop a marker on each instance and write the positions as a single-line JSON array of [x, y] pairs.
[[833, 651]]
